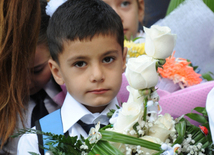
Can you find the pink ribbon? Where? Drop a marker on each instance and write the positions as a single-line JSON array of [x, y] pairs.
[[59, 98]]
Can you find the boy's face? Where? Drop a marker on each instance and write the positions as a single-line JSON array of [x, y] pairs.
[[91, 70], [40, 71], [131, 12]]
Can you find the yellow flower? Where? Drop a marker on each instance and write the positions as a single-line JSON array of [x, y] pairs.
[[134, 49]]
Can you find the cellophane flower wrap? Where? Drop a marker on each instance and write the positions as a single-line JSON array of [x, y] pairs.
[[138, 128]]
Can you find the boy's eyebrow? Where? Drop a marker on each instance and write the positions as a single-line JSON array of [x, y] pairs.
[[76, 58], [84, 57], [110, 52]]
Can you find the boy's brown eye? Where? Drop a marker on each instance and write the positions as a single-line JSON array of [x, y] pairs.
[[80, 64], [108, 59]]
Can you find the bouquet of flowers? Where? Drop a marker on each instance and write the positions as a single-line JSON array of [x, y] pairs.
[[176, 73], [138, 127]]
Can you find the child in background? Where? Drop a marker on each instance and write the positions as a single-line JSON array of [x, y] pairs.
[[86, 44], [131, 13], [42, 84]]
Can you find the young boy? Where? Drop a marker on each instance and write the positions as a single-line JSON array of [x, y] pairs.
[[131, 13], [86, 45]]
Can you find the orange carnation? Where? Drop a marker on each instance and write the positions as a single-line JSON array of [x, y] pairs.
[[179, 71]]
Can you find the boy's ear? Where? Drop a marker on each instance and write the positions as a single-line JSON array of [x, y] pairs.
[[140, 10], [54, 66], [124, 58]]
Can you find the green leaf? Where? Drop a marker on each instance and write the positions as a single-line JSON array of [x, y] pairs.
[[136, 38], [103, 147], [172, 5], [210, 4], [118, 107], [195, 67], [179, 140], [33, 153], [125, 139], [201, 110], [197, 117], [110, 113], [207, 144], [208, 76], [107, 126], [175, 3], [181, 128], [199, 136]]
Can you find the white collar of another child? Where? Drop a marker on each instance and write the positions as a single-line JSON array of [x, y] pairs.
[[53, 5], [72, 111]]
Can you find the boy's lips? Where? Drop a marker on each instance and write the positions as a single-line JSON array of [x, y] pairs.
[[98, 91]]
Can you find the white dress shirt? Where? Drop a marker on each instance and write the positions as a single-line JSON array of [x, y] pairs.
[[52, 90], [71, 112]]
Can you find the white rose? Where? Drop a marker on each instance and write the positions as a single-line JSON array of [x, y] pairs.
[[128, 116], [159, 41], [162, 127], [141, 72], [134, 96]]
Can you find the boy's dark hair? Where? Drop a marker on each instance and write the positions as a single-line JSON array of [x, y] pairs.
[[80, 20]]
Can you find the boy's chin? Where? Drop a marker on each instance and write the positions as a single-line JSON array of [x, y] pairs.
[[96, 108]]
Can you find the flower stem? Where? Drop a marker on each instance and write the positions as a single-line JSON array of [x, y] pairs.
[[198, 137], [145, 108], [206, 145]]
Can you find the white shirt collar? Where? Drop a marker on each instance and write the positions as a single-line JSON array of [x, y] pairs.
[[72, 111]]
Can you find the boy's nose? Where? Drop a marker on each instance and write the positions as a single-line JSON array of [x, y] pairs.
[[97, 74]]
